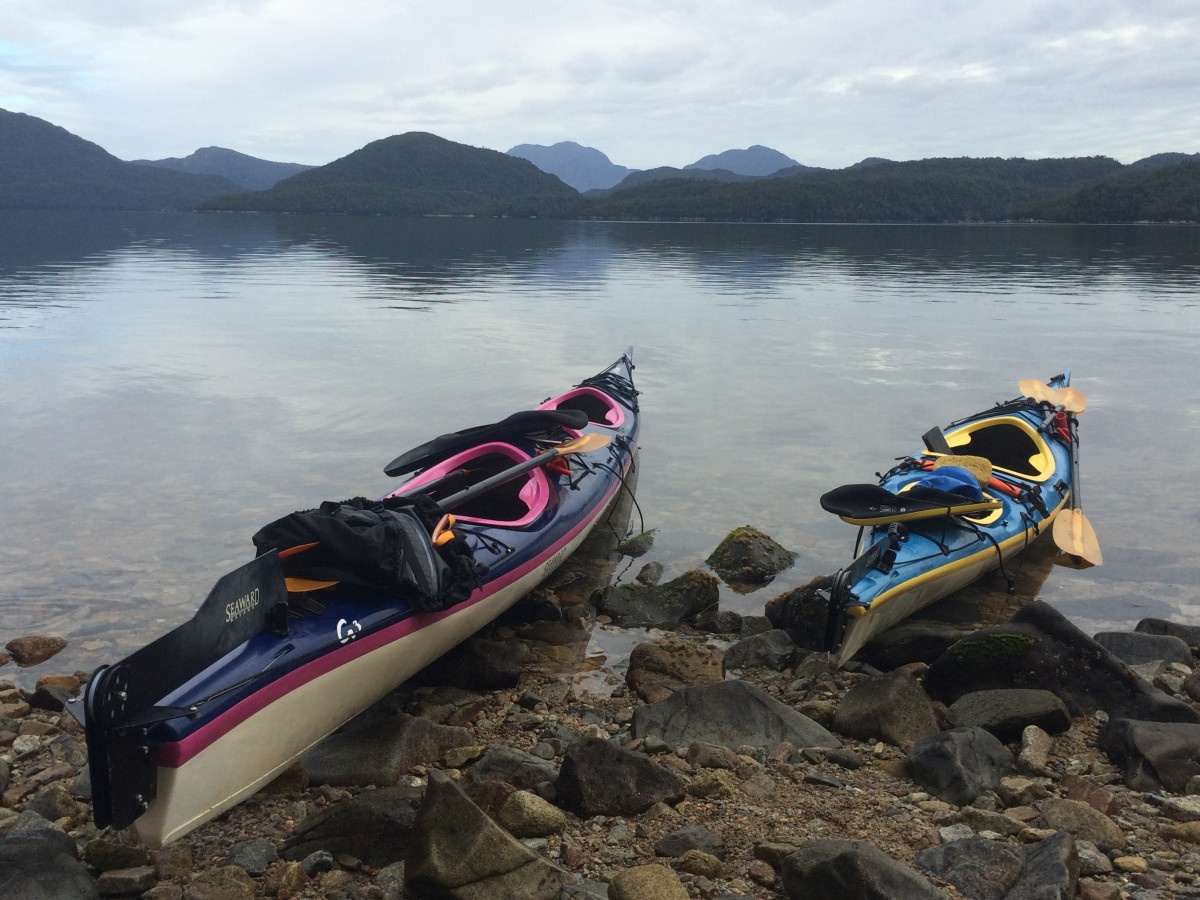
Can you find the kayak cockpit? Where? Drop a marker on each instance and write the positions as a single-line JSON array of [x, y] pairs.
[[598, 406], [512, 504], [1009, 443]]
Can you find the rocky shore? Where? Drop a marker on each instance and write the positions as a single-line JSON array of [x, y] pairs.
[[1019, 759]]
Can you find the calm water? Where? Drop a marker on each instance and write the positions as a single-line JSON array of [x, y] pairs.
[[170, 383]]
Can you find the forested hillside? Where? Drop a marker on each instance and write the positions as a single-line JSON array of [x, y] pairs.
[[932, 190], [43, 166], [415, 174], [1164, 194]]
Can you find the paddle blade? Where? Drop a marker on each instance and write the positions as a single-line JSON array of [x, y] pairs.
[[1036, 390], [1071, 399], [1074, 536], [304, 585], [585, 444]]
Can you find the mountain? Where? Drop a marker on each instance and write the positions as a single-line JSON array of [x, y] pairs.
[[43, 166], [415, 174], [247, 172], [583, 168], [754, 160]]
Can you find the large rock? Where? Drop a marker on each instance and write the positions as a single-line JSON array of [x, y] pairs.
[[1189, 634], [803, 613], [650, 605], [478, 664], [1008, 711], [730, 714], [1136, 648], [979, 868], [379, 754], [33, 649], [1040, 648], [459, 853], [892, 707], [1153, 756], [374, 826], [1051, 870], [657, 669], [1082, 822], [516, 768], [960, 764], [747, 556], [42, 865], [772, 649], [852, 870], [599, 778], [909, 642], [650, 882], [984, 869]]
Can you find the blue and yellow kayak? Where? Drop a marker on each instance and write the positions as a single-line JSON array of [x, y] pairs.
[[975, 496]]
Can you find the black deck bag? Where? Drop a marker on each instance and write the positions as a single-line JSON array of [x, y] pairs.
[[380, 545]]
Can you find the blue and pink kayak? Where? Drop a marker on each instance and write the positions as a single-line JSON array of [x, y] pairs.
[[345, 602]]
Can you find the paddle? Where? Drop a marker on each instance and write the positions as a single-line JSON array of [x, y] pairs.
[[1072, 531], [585, 444], [1068, 398]]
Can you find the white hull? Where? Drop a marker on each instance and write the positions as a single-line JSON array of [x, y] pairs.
[[251, 754]]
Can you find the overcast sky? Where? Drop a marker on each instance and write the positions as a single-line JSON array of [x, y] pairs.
[[648, 83]]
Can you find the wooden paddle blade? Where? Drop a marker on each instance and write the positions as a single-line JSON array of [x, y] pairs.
[[1074, 536], [585, 444], [303, 585], [1071, 399], [1036, 390]]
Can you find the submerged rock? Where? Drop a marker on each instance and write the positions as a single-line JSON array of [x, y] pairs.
[[748, 556], [649, 605], [34, 648]]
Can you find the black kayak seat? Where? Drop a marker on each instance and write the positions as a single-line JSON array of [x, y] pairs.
[[527, 423], [871, 504]]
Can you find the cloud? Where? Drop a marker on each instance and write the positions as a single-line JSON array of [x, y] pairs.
[[650, 84]]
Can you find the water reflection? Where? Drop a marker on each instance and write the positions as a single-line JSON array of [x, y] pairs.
[[169, 383]]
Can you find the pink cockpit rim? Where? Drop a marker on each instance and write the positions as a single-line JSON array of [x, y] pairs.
[[615, 417], [535, 493]]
